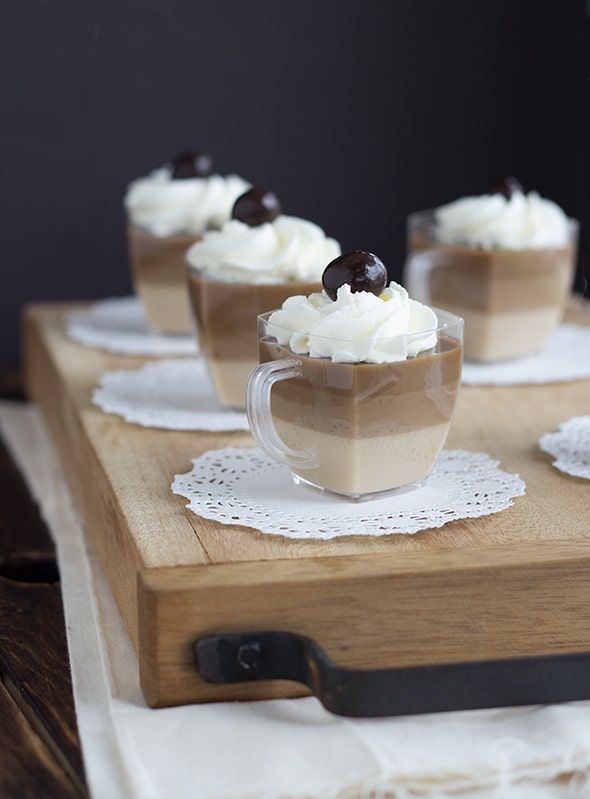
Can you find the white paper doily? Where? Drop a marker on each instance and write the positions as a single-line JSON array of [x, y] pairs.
[[570, 446], [245, 487], [566, 356], [170, 394], [119, 325]]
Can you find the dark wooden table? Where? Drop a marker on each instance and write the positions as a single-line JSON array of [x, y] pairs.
[[40, 752]]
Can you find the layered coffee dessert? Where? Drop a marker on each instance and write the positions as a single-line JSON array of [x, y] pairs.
[[168, 210], [258, 259], [372, 384], [504, 261]]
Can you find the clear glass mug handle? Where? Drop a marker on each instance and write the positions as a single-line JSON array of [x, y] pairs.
[[258, 392], [417, 271]]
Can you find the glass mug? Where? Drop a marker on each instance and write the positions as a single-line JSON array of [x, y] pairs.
[[356, 429], [511, 300]]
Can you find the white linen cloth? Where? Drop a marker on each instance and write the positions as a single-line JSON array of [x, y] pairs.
[[281, 749]]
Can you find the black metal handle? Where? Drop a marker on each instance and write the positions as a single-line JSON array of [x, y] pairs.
[[245, 657]]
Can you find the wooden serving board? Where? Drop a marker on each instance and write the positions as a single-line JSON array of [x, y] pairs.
[[507, 585]]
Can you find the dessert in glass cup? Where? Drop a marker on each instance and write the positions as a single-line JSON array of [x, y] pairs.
[[251, 265], [168, 210], [357, 384], [504, 261]]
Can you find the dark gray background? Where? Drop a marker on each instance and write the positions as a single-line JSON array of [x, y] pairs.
[[355, 113]]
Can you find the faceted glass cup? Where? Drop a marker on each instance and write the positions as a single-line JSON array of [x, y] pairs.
[[225, 315], [158, 273], [511, 300]]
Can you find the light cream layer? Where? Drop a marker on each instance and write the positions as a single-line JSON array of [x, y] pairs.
[[500, 336], [366, 465], [229, 380]]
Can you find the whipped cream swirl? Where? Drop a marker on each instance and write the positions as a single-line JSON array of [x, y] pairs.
[[165, 206], [285, 250], [525, 221], [356, 327]]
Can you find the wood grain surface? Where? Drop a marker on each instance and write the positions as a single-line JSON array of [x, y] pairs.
[[197, 575], [39, 744], [27, 768]]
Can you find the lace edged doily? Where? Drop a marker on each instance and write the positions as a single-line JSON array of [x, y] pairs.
[[566, 356], [169, 394], [245, 487], [119, 325], [570, 446]]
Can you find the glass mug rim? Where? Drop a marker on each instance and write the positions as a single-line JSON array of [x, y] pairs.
[[447, 320]]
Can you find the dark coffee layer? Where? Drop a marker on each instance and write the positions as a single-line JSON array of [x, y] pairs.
[[158, 259], [496, 281], [367, 400], [225, 313]]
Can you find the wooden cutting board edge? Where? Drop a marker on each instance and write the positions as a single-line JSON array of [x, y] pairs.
[[178, 603]]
